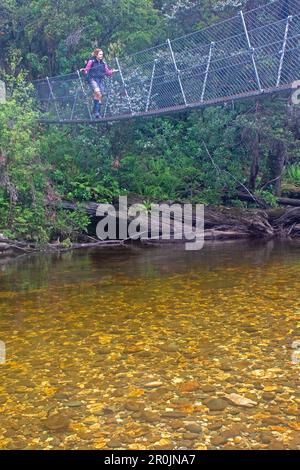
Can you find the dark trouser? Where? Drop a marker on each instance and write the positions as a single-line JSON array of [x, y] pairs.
[[98, 87], [97, 107]]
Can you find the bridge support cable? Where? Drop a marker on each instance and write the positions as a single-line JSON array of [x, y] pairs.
[[212, 44], [177, 71], [106, 102], [252, 51], [125, 86], [53, 98], [74, 104], [151, 85], [85, 95], [288, 21]]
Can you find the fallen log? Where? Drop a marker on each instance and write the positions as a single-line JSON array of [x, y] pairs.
[[285, 201], [221, 222], [254, 222], [292, 216]]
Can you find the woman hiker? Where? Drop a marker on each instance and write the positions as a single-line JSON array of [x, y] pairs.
[[96, 71]]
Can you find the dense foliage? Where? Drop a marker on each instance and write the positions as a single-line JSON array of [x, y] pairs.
[[204, 156]]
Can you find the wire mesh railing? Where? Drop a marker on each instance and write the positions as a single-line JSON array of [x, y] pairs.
[[253, 52]]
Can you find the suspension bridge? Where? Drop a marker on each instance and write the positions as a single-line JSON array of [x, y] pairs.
[[251, 54]]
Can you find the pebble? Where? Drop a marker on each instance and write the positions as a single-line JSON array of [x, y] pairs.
[[233, 430], [133, 406], [153, 384], [61, 396], [216, 404], [194, 428], [133, 349], [74, 404], [293, 411], [276, 445], [103, 351], [105, 412], [218, 440], [171, 347], [173, 414], [57, 422], [265, 438], [258, 386], [190, 386], [190, 436], [268, 396], [215, 425], [225, 367], [144, 354], [250, 329], [175, 424], [295, 442], [114, 443], [272, 420], [208, 388], [153, 438], [150, 416]]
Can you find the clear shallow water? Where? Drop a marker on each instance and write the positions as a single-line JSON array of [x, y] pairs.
[[138, 348]]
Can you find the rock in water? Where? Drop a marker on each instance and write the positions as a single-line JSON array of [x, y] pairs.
[[239, 400], [216, 404], [190, 386], [57, 422]]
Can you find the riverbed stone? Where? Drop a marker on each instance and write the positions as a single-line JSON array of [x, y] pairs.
[[133, 406], [150, 416], [276, 445], [169, 347], [74, 404], [57, 422], [190, 436], [268, 396], [265, 437], [175, 424], [194, 428], [272, 420], [114, 443], [208, 388], [215, 425], [190, 386], [218, 440], [173, 414], [154, 384], [225, 367], [61, 396], [216, 404], [234, 430]]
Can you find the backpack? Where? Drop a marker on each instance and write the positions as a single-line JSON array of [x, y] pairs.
[[97, 69]]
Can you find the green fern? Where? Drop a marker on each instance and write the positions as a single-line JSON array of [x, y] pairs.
[[293, 173]]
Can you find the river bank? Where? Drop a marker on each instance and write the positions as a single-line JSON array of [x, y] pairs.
[[220, 223]]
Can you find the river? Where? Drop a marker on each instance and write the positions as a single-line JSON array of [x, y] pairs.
[[143, 348]]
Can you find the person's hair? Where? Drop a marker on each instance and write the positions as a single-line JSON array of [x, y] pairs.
[[96, 52]]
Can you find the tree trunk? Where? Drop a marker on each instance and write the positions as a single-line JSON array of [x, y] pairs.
[[255, 163], [277, 157]]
